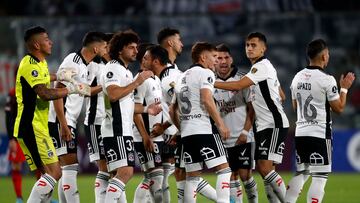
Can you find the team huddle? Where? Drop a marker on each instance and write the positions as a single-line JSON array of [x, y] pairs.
[[173, 122]]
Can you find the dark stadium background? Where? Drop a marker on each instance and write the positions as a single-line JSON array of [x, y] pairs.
[[288, 24]]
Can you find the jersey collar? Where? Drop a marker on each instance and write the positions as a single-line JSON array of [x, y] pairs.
[[121, 62], [197, 64], [314, 67], [82, 57], [260, 59], [164, 71], [232, 74], [34, 57]]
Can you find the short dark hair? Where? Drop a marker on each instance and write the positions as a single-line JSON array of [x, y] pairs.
[[92, 37], [159, 53], [142, 49], [223, 48], [120, 40], [165, 33], [108, 36], [258, 35], [33, 31], [198, 48], [315, 47]]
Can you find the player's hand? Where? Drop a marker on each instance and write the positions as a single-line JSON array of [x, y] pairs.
[[66, 74], [78, 88], [347, 81], [154, 109], [83, 89], [65, 133], [12, 146], [143, 76], [148, 144], [157, 130], [173, 140], [241, 139], [224, 131]]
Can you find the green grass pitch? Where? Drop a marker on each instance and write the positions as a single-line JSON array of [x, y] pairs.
[[340, 188]]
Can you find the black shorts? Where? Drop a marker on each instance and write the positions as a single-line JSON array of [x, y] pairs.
[[149, 160], [179, 153], [119, 151], [270, 144], [241, 156], [63, 147], [202, 148], [313, 154], [95, 142], [168, 151]]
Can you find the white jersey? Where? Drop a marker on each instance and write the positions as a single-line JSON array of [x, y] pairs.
[[194, 119], [95, 108], [232, 108], [147, 93], [168, 78], [265, 96], [312, 89], [119, 114], [72, 103]]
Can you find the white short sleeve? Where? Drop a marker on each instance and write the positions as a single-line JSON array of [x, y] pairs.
[[257, 73], [207, 79], [331, 89], [292, 88], [140, 92], [113, 75]]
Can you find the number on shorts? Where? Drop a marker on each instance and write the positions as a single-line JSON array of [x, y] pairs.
[[156, 148], [129, 146]]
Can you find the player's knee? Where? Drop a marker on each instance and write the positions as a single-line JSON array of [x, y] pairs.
[[125, 173], [179, 174]]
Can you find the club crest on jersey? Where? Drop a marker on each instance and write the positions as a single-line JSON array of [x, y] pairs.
[[34, 73], [210, 80], [253, 70], [131, 157], [109, 74]]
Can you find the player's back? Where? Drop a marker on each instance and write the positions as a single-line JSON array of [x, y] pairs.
[[193, 115], [312, 89]]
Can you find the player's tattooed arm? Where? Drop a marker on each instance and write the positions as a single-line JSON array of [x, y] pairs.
[[50, 93]]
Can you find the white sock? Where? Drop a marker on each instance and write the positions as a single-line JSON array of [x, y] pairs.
[[123, 198], [142, 189], [223, 185], [277, 183], [101, 183], [190, 189], [206, 190], [180, 190], [270, 194], [168, 170], [316, 190], [157, 177], [236, 191], [294, 187], [114, 190], [42, 189], [61, 194], [69, 183], [251, 190]]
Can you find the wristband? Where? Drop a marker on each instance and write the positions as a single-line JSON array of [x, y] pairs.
[[245, 132], [344, 90], [145, 110]]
